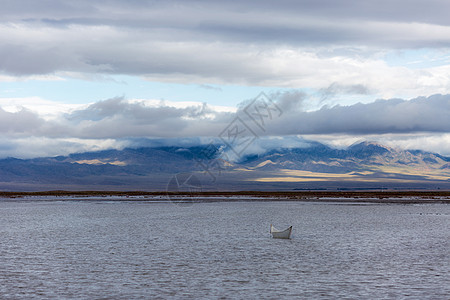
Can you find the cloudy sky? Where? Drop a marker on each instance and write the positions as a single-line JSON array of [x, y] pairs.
[[90, 75]]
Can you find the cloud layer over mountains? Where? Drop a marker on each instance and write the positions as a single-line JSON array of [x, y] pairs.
[[118, 119]]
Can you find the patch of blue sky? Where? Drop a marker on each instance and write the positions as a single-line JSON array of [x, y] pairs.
[[79, 91], [418, 58]]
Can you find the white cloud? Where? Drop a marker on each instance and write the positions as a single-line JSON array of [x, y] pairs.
[[46, 109], [428, 142], [432, 142], [31, 147], [184, 104]]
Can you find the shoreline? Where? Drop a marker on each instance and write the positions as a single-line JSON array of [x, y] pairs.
[[393, 197]]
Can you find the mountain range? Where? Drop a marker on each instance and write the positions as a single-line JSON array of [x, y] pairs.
[[365, 165]]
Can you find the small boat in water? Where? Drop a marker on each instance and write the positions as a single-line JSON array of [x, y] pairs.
[[280, 234]]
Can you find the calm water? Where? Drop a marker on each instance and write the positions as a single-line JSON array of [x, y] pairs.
[[122, 250]]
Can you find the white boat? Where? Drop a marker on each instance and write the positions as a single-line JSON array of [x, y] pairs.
[[280, 234]]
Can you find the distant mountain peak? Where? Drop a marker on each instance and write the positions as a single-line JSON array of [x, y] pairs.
[[369, 148], [369, 144]]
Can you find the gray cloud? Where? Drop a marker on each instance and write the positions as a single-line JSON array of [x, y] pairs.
[[423, 114], [118, 118], [23, 122], [220, 40], [289, 101], [167, 13], [336, 89], [210, 87]]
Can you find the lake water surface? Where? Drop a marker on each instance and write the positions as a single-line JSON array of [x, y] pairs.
[[130, 250]]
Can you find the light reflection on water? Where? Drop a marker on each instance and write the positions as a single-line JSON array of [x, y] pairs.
[[142, 250]]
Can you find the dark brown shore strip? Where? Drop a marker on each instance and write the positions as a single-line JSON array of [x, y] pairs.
[[404, 197]]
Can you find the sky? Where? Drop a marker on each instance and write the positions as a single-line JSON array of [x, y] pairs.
[[90, 75]]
